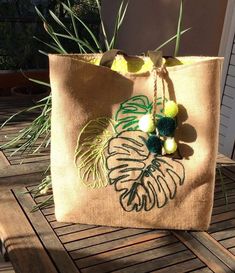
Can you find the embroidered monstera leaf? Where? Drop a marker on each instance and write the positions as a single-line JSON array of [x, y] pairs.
[[90, 152], [142, 179], [130, 111]]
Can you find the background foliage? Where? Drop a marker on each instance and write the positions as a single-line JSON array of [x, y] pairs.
[[19, 24]]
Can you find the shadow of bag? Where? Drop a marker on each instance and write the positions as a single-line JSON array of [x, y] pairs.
[[102, 171]]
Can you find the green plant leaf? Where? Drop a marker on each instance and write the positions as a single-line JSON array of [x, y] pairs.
[[177, 43], [50, 30], [131, 110], [59, 22], [223, 186], [52, 46], [87, 45], [84, 25], [119, 19], [89, 155], [40, 82], [103, 27], [171, 39], [75, 29]]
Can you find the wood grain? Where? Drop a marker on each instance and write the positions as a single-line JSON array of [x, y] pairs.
[[20, 239], [202, 252], [60, 257], [216, 248]]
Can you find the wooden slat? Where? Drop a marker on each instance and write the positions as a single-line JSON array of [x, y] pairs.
[[228, 243], [230, 91], [202, 270], [222, 225], [50, 218], [56, 224], [3, 160], [221, 202], [232, 60], [124, 233], [227, 100], [10, 171], [72, 229], [27, 160], [202, 252], [118, 244], [124, 265], [223, 234], [216, 248], [20, 240], [221, 194], [223, 216], [225, 110], [224, 120], [232, 250], [228, 184], [182, 267], [6, 267], [233, 50], [231, 70], [49, 239], [81, 235], [125, 251], [49, 210], [224, 208], [161, 262]]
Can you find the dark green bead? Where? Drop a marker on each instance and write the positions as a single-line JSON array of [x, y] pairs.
[[166, 126], [154, 144]]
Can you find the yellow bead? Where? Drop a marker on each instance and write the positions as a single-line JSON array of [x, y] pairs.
[[147, 124], [171, 109], [170, 145]]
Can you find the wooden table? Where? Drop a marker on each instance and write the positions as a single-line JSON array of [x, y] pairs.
[[36, 242]]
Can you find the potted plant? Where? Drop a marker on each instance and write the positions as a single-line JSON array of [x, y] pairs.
[[61, 37]]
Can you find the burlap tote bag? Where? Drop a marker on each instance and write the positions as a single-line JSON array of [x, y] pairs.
[[114, 159]]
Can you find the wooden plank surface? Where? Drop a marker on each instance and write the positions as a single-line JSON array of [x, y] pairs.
[[20, 240], [106, 249], [5, 266], [50, 241]]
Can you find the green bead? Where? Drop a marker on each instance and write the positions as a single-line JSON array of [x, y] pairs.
[[171, 109], [154, 144], [166, 126]]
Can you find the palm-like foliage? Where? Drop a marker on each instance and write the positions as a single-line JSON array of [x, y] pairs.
[[39, 129]]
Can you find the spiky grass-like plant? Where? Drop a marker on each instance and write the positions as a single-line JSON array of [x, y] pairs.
[[40, 127]]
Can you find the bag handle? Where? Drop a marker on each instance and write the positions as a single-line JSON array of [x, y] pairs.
[[109, 56]]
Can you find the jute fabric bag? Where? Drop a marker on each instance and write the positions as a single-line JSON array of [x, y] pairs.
[[102, 171]]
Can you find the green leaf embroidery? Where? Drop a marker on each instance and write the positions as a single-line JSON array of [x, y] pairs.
[[90, 155], [130, 111], [143, 180]]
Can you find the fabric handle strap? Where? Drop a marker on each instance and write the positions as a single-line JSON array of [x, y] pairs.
[[109, 56]]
